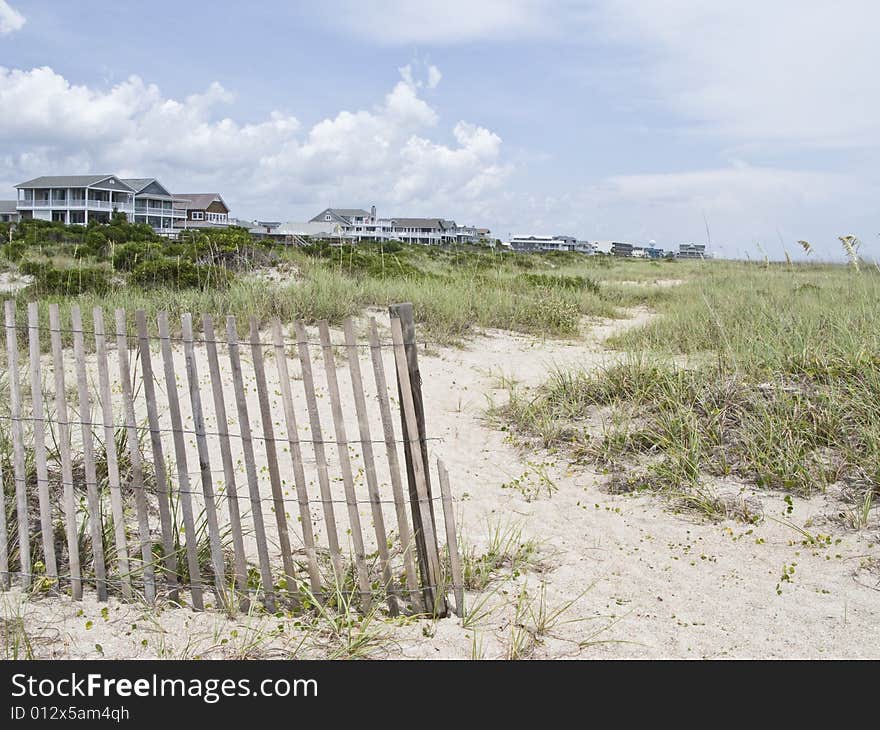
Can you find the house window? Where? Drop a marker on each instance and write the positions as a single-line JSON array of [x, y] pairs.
[[198, 215], [327, 217]]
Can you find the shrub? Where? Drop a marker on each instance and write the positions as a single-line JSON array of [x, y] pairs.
[[128, 255], [551, 281], [14, 250], [179, 273], [69, 281]]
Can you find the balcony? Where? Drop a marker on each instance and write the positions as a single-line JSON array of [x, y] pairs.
[[165, 212], [109, 204]]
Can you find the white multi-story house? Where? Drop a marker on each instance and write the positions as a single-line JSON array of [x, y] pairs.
[[346, 217], [74, 198], [85, 198], [155, 205], [543, 243], [360, 225], [692, 251]]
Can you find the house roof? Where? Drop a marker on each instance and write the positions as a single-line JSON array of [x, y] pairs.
[[349, 212], [138, 183], [8, 206], [68, 181], [200, 201], [423, 222], [343, 215]]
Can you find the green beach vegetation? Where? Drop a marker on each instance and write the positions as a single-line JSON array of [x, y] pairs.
[[766, 375]]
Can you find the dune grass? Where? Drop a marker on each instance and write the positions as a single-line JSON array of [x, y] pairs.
[[781, 388], [454, 291]]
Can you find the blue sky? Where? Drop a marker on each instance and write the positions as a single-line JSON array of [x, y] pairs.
[[624, 119]]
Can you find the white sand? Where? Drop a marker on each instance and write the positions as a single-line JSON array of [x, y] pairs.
[[645, 582]]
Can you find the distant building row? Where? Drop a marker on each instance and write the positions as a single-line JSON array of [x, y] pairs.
[[364, 226], [529, 243], [80, 199]]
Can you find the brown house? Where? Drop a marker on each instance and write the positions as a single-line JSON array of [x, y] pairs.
[[203, 210]]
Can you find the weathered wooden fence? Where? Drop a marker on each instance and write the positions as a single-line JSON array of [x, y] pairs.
[[97, 457]]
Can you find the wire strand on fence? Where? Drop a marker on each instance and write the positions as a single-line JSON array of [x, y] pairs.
[[265, 343], [192, 432]]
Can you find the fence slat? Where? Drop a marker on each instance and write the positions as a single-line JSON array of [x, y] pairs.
[[192, 375], [18, 463], [451, 539], [240, 559], [305, 360], [4, 536], [163, 486], [354, 517], [137, 464], [4, 531], [299, 477], [184, 490], [272, 456], [413, 447], [111, 456], [360, 403], [39, 425], [63, 420], [85, 418], [250, 464], [407, 545]]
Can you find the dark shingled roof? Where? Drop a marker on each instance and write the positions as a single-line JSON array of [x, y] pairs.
[[138, 183], [8, 206], [199, 201], [422, 222], [350, 212], [65, 181]]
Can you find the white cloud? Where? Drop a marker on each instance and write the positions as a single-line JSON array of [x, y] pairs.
[[382, 155], [10, 19], [786, 72], [434, 76]]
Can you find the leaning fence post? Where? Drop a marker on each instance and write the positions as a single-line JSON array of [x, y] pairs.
[[409, 383]]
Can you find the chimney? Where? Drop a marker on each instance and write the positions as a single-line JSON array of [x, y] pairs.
[[373, 212]]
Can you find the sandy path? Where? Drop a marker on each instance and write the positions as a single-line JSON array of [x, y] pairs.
[[670, 584], [663, 584]]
